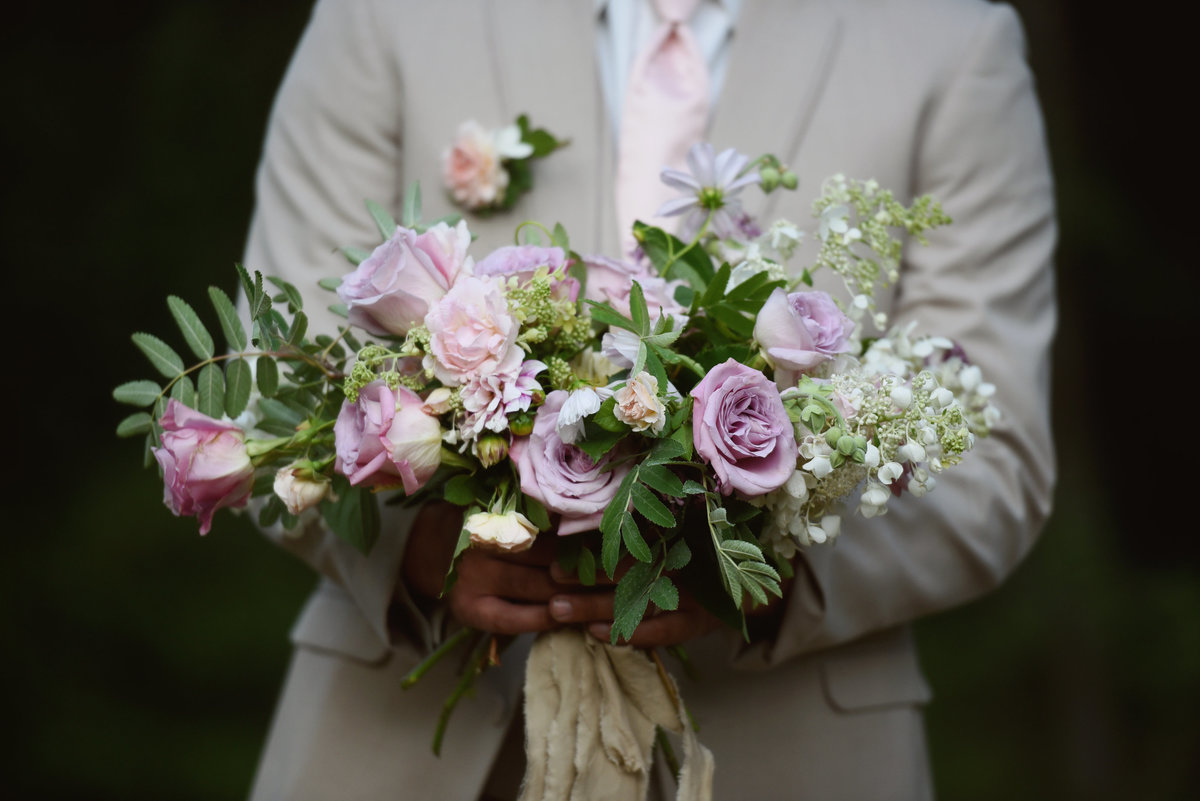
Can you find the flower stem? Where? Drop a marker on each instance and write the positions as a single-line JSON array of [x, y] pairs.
[[674, 257], [535, 224], [470, 671], [414, 675]]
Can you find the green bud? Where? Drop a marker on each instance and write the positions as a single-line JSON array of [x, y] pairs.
[[833, 436], [492, 448], [521, 425], [846, 445], [769, 178], [789, 180]]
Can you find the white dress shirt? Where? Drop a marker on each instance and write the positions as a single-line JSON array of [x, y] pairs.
[[625, 26]]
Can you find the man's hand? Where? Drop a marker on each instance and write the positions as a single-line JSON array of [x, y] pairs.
[[593, 608], [495, 592]]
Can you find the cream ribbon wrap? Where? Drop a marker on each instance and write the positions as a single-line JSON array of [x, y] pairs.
[[590, 715]]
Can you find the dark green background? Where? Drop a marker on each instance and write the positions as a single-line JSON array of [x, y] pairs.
[[142, 663]]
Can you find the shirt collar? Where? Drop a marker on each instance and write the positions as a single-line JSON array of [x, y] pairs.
[[730, 6]]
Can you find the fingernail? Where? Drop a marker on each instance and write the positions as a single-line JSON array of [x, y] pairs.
[[560, 609]]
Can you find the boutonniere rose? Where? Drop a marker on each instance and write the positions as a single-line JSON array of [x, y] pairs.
[[488, 170]]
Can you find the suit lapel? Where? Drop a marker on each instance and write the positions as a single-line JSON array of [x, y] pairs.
[[779, 63]]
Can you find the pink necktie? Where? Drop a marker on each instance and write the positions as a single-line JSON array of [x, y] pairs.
[[665, 113]]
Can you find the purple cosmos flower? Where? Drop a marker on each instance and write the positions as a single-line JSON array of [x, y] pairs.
[[714, 181]]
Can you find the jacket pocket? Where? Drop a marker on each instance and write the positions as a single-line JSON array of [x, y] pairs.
[[875, 672]]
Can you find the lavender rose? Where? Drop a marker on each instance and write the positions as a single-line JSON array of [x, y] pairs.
[[800, 331], [523, 261], [393, 289], [742, 430], [386, 436], [562, 476], [204, 464]]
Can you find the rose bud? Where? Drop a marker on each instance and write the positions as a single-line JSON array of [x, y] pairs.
[[299, 488]]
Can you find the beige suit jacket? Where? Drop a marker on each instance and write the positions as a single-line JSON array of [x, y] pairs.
[[926, 96]]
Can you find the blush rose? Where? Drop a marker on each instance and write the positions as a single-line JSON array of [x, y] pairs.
[[387, 435], [393, 289], [204, 464], [473, 169], [472, 334]]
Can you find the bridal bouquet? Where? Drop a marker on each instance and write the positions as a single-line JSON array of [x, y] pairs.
[[688, 417]]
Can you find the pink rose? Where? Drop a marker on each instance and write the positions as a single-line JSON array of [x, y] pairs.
[[471, 333], [472, 168], [393, 289], [562, 476], [742, 430], [204, 464], [387, 435], [800, 331], [610, 281]]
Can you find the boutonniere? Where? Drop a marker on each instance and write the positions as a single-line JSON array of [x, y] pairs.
[[486, 171]]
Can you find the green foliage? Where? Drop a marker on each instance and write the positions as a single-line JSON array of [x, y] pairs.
[[231, 324], [353, 515], [410, 213], [461, 545], [290, 294], [161, 355], [267, 375], [210, 391], [237, 386], [383, 219], [184, 391], [194, 332], [137, 393], [135, 425]]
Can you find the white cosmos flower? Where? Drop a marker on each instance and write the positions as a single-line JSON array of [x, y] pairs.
[[580, 404], [620, 346], [711, 186]]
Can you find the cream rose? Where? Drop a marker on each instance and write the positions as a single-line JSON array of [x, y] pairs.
[[638, 405], [511, 531]]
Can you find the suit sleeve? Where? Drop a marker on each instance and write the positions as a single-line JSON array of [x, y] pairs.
[[987, 282], [333, 142]]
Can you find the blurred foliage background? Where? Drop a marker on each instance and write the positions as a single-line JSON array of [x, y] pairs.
[[142, 663]]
